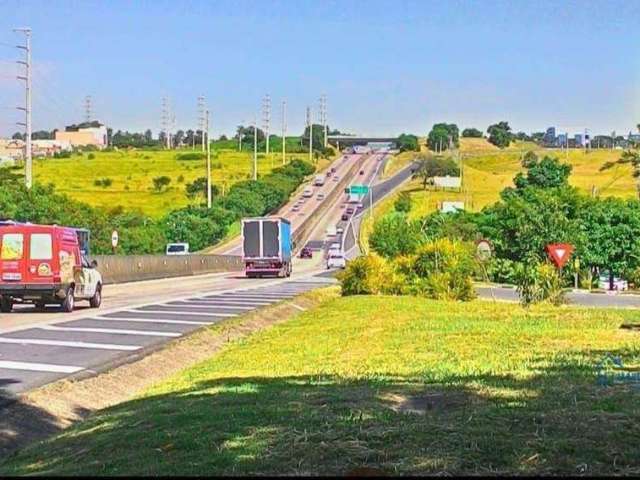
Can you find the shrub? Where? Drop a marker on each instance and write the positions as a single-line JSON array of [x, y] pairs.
[[190, 156], [160, 183], [403, 203], [395, 235], [91, 156], [180, 179], [369, 275], [103, 182], [539, 282], [502, 270]]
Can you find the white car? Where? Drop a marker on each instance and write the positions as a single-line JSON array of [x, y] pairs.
[[336, 260], [339, 230], [618, 284], [177, 249], [320, 196], [331, 231], [334, 246]]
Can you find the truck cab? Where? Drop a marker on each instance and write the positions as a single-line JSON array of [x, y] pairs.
[[43, 264]]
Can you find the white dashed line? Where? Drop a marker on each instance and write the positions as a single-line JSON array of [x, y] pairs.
[[182, 312], [110, 330], [150, 320], [39, 367], [61, 343]]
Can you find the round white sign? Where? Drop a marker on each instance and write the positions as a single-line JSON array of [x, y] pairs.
[[114, 239], [483, 250]]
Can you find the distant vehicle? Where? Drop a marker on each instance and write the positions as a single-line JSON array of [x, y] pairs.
[[266, 246], [331, 231], [334, 246], [336, 178], [339, 230], [320, 196], [336, 260], [618, 283], [349, 210], [306, 252], [177, 249], [43, 264], [295, 208], [354, 197], [344, 217], [308, 192], [319, 180], [333, 170], [361, 172]]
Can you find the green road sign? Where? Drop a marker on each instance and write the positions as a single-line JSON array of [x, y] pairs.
[[359, 189]]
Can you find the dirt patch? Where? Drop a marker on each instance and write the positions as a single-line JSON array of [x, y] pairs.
[[45, 411], [426, 402]]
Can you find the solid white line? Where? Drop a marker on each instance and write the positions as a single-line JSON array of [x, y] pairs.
[[151, 320], [60, 343], [110, 330], [39, 367], [179, 312], [205, 307]]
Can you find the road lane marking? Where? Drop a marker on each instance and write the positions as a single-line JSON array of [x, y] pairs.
[[62, 343], [39, 367], [217, 302], [151, 320], [205, 307], [110, 330], [181, 312]]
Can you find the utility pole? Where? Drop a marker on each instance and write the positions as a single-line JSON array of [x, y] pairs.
[[28, 172], [323, 117], [208, 160], [164, 121], [255, 148], [310, 125], [88, 114], [201, 119], [284, 131], [266, 117]]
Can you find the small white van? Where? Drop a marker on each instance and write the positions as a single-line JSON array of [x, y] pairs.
[[177, 249]]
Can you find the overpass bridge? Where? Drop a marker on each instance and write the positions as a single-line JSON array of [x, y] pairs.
[[341, 141]]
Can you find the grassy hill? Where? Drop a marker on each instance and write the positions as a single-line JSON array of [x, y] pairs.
[[402, 385], [132, 171], [487, 170]]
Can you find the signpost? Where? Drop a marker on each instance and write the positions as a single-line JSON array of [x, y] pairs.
[[560, 253], [483, 250], [114, 241], [358, 189]]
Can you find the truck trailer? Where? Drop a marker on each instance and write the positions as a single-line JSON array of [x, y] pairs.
[[266, 246]]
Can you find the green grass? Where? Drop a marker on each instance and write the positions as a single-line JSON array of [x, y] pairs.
[[401, 384], [132, 173]]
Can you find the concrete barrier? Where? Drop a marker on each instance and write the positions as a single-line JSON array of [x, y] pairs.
[[133, 268]]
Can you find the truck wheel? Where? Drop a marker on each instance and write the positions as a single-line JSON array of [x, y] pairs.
[[40, 305], [6, 304], [69, 302], [96, 300], [289, 270]]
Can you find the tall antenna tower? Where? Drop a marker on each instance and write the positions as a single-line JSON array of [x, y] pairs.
[[322, 114], [27, 103], [164, 121], [201, 118], [284, 131], [266, 118], [88, 113]]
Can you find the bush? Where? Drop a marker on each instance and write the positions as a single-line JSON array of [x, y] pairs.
[[369, 275], [91, 156], [395, 235], [103, 182], [444, 269], [190, 156], [403, 203], [198, 231], [539, 282], [160, 183], [502, 270]]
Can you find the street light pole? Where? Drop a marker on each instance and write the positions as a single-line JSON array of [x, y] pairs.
[[284, 131], [208, 160], [28, 171], [255, 149]]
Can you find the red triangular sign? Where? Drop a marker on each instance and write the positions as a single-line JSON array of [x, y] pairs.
[[560, 253]]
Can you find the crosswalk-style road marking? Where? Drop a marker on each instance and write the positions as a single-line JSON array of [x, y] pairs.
[[182, 312], [220, 303], [62, 343], [110, 330], [151, 320], [200, 307], [39, 367]]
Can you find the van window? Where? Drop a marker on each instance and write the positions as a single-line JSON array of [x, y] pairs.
[[176, 248], [12, 246], [41, 247]]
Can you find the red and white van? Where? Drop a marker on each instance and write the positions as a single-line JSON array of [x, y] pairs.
[[42, 264]]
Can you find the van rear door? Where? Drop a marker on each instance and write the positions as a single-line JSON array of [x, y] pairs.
[[40, 256], [12, 256]]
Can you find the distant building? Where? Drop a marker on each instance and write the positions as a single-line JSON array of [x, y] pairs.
[[47, 148], [80, 136], [579, 140], [634, 137], [451, 206], [13, 149], [549, 138], [562, 140]]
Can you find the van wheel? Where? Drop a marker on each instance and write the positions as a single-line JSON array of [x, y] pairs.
[[40, 305], [6, 304], [96, 300], [69, 302]]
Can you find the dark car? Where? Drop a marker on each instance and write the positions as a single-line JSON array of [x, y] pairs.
[[350, 210], [306, 253], [344, 217], [361, 172]]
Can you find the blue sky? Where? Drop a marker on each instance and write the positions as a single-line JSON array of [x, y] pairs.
[[385, 66]]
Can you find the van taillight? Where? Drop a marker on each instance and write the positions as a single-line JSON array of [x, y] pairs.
[[57, 279]]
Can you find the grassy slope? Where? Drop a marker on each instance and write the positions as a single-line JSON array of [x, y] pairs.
[[488, 170], [136, 169], [496, 388]]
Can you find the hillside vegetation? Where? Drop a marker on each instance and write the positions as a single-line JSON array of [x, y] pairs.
[[402, 385]]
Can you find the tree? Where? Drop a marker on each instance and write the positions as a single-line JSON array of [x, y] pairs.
[[178, 138], [628, 157], [318, 137], [443, 136], [547, 173], [159, 183], [407, 142], [18, 136], [471, 133], [529, 159], [500, 134], [395, 235], [198, 188], [434, 166]]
